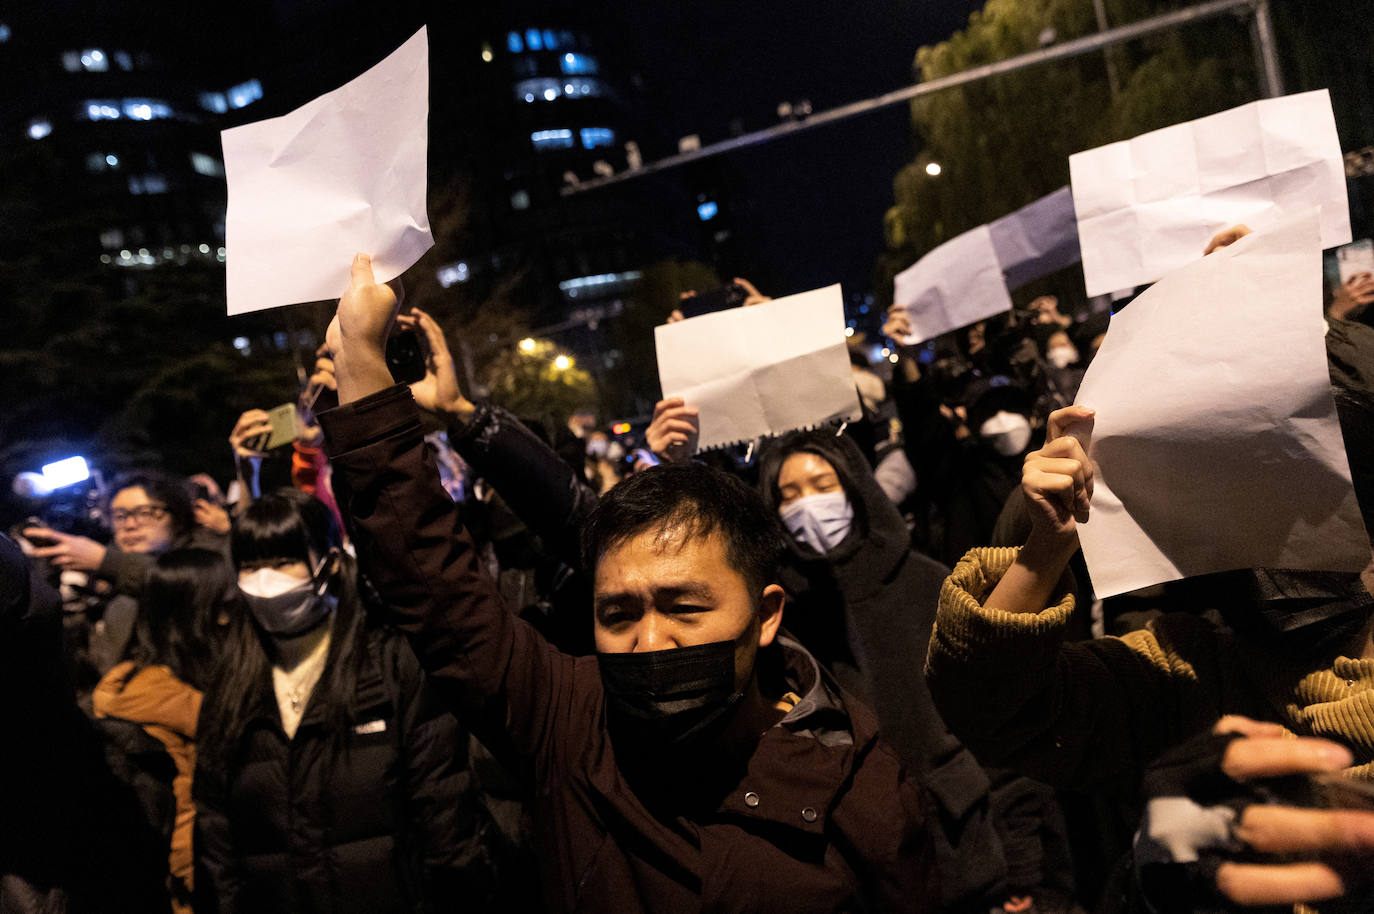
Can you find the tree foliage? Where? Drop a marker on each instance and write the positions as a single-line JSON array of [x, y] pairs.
[[1005, 141]]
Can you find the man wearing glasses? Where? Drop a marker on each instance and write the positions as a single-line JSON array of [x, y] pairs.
[[150, 514]]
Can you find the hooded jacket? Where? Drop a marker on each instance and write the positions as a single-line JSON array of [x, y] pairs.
[[167, 708], [819, 817], [866, 609]]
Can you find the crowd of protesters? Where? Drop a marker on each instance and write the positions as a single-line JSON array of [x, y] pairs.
[[472, 661]]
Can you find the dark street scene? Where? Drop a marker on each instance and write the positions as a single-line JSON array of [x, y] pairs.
[[900, 456]]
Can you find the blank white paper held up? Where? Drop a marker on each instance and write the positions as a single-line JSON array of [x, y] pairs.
[[344, 173], [761, 370], [1216, 444], [1148, 206]]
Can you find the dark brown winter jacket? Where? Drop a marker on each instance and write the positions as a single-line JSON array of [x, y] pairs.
[[820, 817]]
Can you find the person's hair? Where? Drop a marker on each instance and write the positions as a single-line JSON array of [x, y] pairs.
[[170, 491], [833, 449], [178, 614], [286, 524], [702, 501]]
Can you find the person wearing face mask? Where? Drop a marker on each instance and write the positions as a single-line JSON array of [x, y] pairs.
[[975, 468], [328, 776], [863, 601], [699, 761], [1298, 655]]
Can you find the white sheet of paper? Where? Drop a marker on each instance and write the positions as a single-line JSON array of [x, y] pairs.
[[1148, 206], [344, 173], [761, 370], [1216, 444], [954, 285]]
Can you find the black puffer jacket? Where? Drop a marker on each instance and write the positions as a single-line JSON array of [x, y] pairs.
[[387, 823], [865, 610]]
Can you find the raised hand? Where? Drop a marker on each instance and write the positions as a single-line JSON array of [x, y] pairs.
[[1226, 237], [1057, 482], [251, 426], [357, 335], [65, 550], [438, 391], [674, 431], [752, 296]]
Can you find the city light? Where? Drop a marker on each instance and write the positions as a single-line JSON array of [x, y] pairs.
[[562, 363], [620, 428], [527, 345], [848, 331], [39, 129], [487, 56], [66, 472], [933, 169]]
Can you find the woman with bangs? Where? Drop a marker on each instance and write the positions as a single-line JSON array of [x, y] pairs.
[[328, 777]]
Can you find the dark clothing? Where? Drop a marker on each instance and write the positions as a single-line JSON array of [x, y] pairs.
[[112, 620], [73, 837], [550, 498], [819, 818], [380, 821], [865, 609]]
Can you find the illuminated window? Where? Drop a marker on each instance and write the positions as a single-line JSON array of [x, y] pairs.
[[242, 344], [452, 274], [147, 184], [71, 61], [532, 89], [707, 211], [102, 161], [533, 41], [550, 43], [125, 62], [214, 101], [577, 64], [279, 339], [94, 60], [244, 94], [513, 43], [520, 199], [102, 110], [146, 109], [592, 137], [552, 139], [39, 128], [112, 239], [207, 165], [4, 33]]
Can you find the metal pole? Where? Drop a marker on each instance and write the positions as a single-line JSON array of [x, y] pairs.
[[1266, 51], [1113, 79], [1075, 48]]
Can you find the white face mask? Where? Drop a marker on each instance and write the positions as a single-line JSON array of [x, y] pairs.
[[820, 521], [284, 604], [1062, 356], [1006, 433]]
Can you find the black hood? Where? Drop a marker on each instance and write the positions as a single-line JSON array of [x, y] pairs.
[[879, 541]]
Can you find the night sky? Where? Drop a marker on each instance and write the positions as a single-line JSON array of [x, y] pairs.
[[808, 208]]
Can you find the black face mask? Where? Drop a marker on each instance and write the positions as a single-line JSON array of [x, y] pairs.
[[1309, 615], [671, 698]]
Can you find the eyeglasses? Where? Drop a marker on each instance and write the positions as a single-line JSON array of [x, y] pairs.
[[143, 514]]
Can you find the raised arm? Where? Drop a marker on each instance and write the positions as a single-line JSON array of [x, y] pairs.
[[504, 681], [1088, 714]]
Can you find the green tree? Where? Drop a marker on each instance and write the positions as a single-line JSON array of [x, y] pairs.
[[1005, 141], [632, 386]]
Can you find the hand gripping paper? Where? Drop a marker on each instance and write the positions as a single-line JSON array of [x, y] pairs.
[[761, 370], [1216, 444]]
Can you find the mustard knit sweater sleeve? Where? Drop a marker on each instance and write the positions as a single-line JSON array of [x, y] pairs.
[[1088, 715]]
